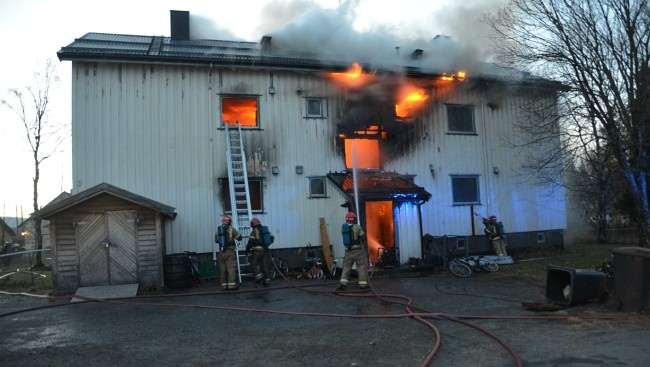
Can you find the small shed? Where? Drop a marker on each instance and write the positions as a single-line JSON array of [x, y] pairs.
[[106, 235]]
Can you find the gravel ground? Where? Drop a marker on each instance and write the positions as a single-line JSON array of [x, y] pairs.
[[137, 335]]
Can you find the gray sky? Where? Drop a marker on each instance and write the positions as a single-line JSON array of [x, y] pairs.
[[34, 30]]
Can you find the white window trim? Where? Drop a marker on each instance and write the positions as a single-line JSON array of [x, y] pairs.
[[478, 189], [317, 196], [323, 114], [458, 132]]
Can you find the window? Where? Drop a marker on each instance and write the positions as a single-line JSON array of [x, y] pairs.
[[317, 187], [366, 153], [460, 119], [541, 238], [239, 109], [316, 107], [255, 189], [465, 189]]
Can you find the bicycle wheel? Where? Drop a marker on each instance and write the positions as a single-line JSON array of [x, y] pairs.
[[460, 269], [490, 267]]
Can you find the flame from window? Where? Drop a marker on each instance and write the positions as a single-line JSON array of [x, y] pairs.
[[363, 153], [410, 101], [353, 78], [242, 110]]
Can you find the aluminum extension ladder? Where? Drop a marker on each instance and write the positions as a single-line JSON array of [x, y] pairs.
[[240, 199]]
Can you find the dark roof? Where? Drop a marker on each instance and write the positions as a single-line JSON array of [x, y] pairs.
[[104, 188], [380, 185], [122, 47]]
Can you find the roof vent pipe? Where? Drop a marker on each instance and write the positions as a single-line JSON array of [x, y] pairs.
[[266, 43], [179, 21]]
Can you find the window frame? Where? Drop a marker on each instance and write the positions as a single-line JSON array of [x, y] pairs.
[[460, 132], [478, 189], [317, 196], [323, 105], [225, 194], [258, 121]]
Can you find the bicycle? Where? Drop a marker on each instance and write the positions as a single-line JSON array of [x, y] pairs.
[[465, 266]]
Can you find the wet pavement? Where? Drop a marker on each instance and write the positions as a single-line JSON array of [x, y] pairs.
[[125, 335]]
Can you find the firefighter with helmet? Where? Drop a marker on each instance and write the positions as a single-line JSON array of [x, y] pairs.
[[258, 247], [493, 230], [226, 237], [355, 252]]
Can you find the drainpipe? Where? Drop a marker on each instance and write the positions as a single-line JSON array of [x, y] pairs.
[[421, 235]]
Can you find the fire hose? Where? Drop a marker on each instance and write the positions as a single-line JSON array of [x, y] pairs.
[[412, 311]]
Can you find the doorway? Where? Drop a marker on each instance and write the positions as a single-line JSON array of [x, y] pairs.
[[380, 228]]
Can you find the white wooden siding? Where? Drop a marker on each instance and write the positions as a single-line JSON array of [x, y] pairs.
[[153, 130]]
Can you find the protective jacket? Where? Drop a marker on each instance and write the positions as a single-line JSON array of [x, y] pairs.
[[260, 237], [352, 235], [226, 236]]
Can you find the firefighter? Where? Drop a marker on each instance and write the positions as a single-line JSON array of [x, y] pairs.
[[355, 252], [226, 237], [258, 249], [493, 231]]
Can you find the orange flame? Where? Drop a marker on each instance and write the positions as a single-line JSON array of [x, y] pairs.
[[353, 78], [410, 100]]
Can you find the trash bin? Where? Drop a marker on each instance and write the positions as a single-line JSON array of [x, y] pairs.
[[569, 286], [632, 278], [178, 271]]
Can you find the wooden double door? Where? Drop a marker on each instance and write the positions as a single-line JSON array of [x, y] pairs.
[[107, 248]]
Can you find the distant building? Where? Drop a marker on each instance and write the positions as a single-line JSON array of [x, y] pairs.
[[7, 234], [26, 230]]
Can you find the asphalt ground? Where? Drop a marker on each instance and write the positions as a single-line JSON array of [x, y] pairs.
[[101, 334]]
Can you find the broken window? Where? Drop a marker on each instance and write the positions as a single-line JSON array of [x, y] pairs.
[[460, 119], [255, 189], [240, 110], [465, 189], [317, 187], [315, 107], [362, 153]]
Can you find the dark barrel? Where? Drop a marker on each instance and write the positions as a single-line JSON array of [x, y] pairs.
[[178, 272], [632, 278]]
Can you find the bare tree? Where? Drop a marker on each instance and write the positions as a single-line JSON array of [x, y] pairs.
[[31, 105], [600, 50]]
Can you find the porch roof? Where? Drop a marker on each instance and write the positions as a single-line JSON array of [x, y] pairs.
[[380, 185]]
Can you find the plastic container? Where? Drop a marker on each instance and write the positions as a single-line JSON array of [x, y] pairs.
[[569, 286], [632, 278]]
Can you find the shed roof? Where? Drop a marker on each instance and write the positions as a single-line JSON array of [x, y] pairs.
[[104, 188], [381, 185], [150, 49]]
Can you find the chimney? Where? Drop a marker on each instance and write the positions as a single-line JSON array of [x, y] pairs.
[[266, 43], [417, 53], [180, 24]]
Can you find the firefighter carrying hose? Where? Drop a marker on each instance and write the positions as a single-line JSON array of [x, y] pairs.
[[226, 237], [258, 248], [494, 232], [355, 252]]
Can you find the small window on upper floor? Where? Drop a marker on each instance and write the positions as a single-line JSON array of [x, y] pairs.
[[317, 187], [460, 119], [242, 110], [315, 107], [464, 189]]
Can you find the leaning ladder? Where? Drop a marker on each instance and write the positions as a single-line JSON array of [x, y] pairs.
[[240, 199]]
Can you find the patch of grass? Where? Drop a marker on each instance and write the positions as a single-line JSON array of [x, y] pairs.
[[533, 265], [26, 282]]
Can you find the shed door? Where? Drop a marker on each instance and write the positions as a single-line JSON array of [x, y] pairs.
[[123, 264], [91, 236], [107, 248]]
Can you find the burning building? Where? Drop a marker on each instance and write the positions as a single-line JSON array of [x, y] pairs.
[[431, 146]]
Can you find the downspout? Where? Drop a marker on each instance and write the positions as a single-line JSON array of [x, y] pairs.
[[420, 225]]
